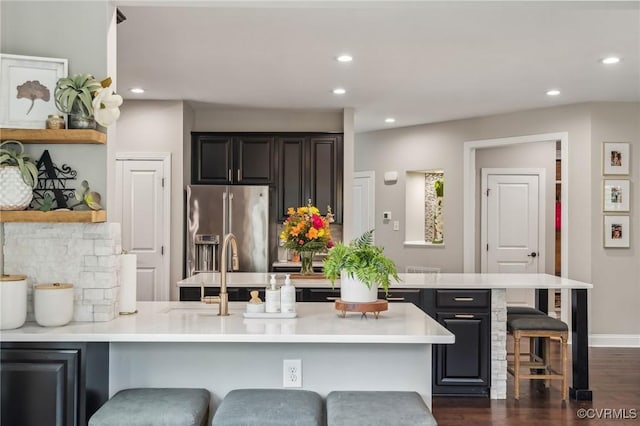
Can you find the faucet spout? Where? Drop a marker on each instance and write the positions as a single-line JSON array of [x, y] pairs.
[[223, 301]]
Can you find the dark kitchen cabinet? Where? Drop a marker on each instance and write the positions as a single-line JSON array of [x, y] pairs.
[[228, 159], [462, 368], [59, 384], [310, 168]]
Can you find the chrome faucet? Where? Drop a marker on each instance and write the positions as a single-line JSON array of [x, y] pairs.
[[223, 299]]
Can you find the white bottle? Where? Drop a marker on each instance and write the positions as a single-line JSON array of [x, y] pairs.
[[272, 297], [287, 296]]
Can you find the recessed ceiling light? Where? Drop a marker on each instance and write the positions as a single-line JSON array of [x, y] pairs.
[[610, 60], [553, 92], [345, 58], [137, 90], [390, 120], [339, 91]]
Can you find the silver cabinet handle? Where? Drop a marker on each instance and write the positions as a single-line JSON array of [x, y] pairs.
[[463, 299], [332, 298], [229, 175], [395, 299], [239, 175], [464, 316]]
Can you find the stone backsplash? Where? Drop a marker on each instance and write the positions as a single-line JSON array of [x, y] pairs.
[[85, 255]]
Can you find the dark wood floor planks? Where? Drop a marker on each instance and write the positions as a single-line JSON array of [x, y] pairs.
[[614, 380]]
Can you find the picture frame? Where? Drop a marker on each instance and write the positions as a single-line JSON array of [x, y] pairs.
[[27, 90], [616, 231], [616, 195], [615, 158]]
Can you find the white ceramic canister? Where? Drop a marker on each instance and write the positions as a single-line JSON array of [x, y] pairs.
[[13, 301], [53, 304]]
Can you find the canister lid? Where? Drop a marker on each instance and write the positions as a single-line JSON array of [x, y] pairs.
[[54, 286], [12, 277]]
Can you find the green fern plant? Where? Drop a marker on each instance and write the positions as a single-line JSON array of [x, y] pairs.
[[362, 260], [14, 157]]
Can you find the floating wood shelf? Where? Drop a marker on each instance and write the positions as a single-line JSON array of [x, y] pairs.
[[83, 216], [63, 136]]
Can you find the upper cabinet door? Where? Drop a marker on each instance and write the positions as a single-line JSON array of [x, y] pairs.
[[211, 159], [326, 173], [253, 160], [292, 179]]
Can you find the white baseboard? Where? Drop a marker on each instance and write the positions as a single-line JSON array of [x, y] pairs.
[[614, 340]]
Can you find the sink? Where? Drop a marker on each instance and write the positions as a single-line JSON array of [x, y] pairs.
[[210, 310]]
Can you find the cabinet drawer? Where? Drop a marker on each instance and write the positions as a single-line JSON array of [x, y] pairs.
[[321, 295], [406, 296], [463, 298]]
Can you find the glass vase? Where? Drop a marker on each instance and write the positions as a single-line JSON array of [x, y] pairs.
[[306, 257]]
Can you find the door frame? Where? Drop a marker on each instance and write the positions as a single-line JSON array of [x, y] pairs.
[[485, 172], [469, 203], [164, 292], [371, 175]]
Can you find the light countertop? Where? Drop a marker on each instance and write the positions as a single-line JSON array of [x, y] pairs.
[[403, 323], [435, 280]]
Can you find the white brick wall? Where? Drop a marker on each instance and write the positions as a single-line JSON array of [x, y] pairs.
[[498, 344], [85, 255]]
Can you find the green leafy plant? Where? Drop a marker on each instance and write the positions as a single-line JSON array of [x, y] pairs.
[[362, 260], [75, 94], [15, 157]]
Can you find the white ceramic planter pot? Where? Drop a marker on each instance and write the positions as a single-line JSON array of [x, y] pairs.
[[13, 301], [355, 291], [14, 193], [53, 304]]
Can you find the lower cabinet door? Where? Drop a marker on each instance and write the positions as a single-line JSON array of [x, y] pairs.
[[40, 387], [463, 367]]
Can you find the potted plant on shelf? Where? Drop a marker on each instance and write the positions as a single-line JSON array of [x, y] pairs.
[[361, 267], [87, 100], [18, 177]]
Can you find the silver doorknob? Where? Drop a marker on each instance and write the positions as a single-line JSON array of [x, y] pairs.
[[533, 254]]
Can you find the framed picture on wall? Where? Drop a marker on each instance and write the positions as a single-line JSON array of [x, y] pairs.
[[26, 91], [616, 231], [616, 195], [615, 158]]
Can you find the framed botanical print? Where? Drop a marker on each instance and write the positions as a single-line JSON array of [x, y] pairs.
[[616, 195], [26, 90], [616, 231], [615, 158]]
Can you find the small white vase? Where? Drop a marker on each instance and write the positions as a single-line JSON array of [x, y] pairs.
[[15, 194], [355, 291]]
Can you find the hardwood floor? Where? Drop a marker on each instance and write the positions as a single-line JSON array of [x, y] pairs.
[[614, 380]]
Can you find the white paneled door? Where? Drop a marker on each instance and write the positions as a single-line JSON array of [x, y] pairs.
[[363, 202], [142, 200], [514, 228]]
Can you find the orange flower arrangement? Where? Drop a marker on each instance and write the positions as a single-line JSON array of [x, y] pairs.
[[305, 230]]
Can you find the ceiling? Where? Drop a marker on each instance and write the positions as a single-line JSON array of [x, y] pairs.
[[420, 62]]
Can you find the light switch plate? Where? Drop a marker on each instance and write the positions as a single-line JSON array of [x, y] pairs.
[[396, 225]]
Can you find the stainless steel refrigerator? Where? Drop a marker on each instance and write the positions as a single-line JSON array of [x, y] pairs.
[[216, 210]]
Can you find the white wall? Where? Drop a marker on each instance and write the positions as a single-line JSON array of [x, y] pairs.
[[157, 126], [440, 146]]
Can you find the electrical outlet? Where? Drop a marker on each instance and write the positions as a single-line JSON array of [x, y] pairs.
[[396, 225], [292, 373]]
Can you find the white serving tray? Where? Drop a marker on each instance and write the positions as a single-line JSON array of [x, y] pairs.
[[269, 315]]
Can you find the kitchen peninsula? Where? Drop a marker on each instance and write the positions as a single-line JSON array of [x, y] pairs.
[[437, 294], [186, 344]]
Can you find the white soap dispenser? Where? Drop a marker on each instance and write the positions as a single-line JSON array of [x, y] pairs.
[[288, 296], [272, 297]]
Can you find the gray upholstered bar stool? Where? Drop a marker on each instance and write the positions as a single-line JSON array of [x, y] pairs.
[[537, 326], [523, 310], [154, 407], [270, 407], [380, 408]]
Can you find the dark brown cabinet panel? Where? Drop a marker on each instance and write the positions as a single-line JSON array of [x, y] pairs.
[[463, 367], [230, 159], [310, 168], [59, 384]]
